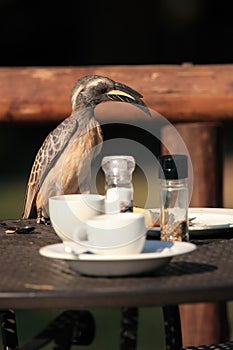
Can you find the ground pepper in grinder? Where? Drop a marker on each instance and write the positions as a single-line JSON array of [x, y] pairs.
[[118, 183], [173, 174]]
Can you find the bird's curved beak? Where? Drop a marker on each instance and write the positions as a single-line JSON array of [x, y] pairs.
[[123, 93]]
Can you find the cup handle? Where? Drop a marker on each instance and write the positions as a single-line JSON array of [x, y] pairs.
[[80, 234]]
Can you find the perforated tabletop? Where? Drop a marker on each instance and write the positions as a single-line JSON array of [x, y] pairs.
[[28, 280]]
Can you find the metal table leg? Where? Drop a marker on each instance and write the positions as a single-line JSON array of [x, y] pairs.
[[8, 330], [172, 326], [129, 327]]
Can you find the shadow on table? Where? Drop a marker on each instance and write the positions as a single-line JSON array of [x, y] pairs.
[[186, 268]]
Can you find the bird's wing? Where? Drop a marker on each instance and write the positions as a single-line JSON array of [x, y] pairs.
[[46, 157]]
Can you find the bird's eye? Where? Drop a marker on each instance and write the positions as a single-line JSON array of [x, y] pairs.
[[101, 88]]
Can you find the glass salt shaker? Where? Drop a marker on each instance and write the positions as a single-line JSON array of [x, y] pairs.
[[173, 174], [118, 183]]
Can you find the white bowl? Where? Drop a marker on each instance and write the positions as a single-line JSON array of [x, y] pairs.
[[69, 213]]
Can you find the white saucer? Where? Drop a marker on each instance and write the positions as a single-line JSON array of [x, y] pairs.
[[155, 254]]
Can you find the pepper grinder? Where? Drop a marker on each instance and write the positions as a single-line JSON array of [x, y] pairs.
[[173, 174], [118, 183]]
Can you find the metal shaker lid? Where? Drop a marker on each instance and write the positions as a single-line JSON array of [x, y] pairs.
[[118, 164], [173, 166]]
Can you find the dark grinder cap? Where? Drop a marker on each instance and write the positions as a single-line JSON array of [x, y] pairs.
[[173, 166]]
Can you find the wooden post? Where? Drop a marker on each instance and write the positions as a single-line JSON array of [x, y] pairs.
[[202, 323]]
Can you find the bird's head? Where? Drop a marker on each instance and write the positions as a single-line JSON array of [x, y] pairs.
[[91, 90]]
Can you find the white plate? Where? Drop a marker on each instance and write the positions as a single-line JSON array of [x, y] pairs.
[[155, 254], [206, 219]]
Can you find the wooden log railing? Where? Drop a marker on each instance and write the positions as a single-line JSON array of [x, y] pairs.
[[183, 93]]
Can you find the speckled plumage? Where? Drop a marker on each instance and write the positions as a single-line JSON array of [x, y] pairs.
[[62, 164]]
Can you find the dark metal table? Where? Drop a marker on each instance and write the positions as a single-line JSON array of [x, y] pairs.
[[29, 280]]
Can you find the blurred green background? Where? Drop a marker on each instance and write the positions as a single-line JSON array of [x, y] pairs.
[[18, 147]]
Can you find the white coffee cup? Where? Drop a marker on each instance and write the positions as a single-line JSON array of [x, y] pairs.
[[122, 233], [69, 213]]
